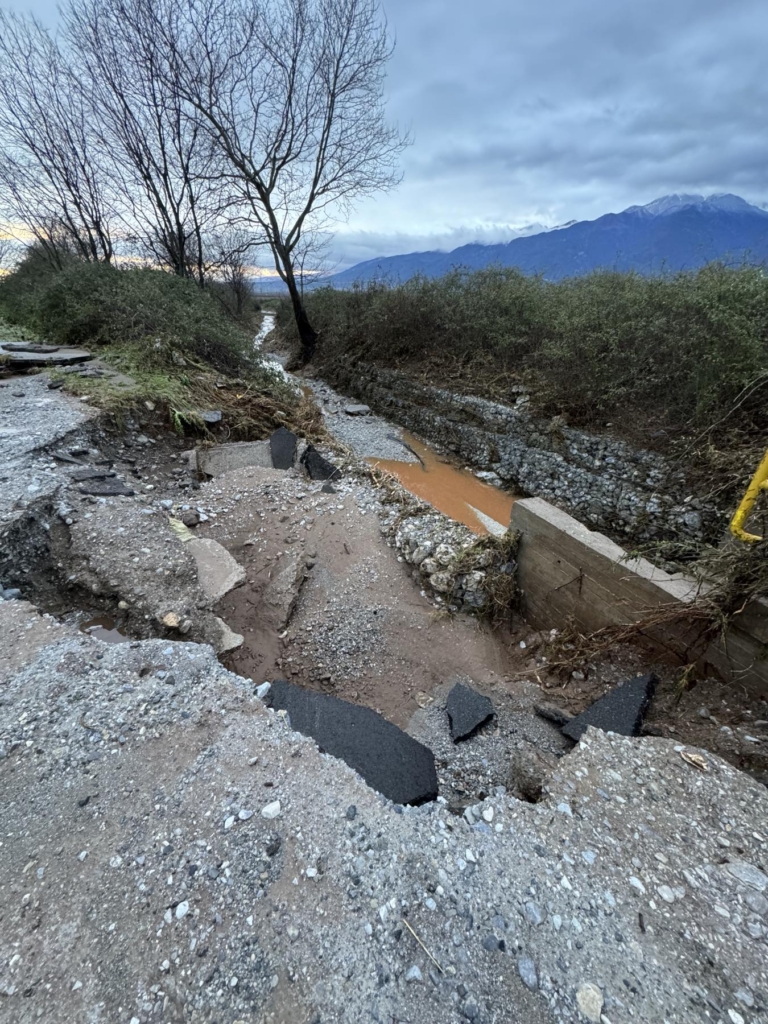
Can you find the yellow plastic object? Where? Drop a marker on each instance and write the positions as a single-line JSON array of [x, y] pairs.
[[758, 483]]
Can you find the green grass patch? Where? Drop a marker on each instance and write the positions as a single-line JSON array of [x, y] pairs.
[[176, 347]]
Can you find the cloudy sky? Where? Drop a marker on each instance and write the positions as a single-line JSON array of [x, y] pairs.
[[556, 110]]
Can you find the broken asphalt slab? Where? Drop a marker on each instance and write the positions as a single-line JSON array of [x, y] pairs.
[[621, 710], [317, 467], [19, 356], [467, 711], [217, 570], [225, 458], [282, 446], [389, 760], [106, 488]]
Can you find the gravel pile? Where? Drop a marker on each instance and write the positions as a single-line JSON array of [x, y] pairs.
[[366, 435], [172, 851]]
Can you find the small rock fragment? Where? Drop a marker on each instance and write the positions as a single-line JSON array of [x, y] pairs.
[[527, 970], [590, 1001]]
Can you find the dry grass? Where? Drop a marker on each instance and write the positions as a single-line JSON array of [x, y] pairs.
[[253, 404]]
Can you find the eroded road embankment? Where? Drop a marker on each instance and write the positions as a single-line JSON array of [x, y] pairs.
[[172, 851]]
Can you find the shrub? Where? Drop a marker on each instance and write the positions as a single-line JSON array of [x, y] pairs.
[[95, 304], [683, 350]]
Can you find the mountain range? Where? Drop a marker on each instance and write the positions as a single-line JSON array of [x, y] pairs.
[[675, 232]]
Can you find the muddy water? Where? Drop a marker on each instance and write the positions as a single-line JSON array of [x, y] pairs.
[[105, 629], [451, 490]]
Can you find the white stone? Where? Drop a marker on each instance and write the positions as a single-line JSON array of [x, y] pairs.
[[271, 810], [182, 910], [590, 1000]]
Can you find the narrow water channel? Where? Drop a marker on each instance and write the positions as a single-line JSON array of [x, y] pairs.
[[452, 490], [456, 492]]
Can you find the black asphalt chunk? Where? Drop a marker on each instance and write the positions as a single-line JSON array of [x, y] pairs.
[[282, 445], [389, 760], [328, 489], [467, 711], [317, 467], [63, 457], [92, 474], [621, 710], [106, 488]]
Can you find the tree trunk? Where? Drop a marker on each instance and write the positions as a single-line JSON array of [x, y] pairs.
[[307, 334]]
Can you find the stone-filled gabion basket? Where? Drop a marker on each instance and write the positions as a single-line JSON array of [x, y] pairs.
[[457, 568]]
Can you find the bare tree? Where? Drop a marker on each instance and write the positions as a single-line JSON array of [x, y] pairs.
[[229, 254], [291, 92], [172, 193], [8, 250], [50, 179]]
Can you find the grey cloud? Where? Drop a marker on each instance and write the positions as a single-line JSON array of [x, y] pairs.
[[528, 111], [570, 109]]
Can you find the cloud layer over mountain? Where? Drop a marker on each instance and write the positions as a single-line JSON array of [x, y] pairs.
[[523, 112], [527, 112]]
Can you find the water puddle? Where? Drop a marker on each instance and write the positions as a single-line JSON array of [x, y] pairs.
[[454, 491], [105, 629]]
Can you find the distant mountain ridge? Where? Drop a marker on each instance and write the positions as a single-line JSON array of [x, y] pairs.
[[675, 232]]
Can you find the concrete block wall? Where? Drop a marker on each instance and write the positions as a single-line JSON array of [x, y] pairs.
[[569, 574]]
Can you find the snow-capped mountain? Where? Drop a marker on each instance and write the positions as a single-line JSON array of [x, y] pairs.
[[674, 232]]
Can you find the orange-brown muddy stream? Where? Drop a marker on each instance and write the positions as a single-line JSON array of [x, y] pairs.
[[449, 489]]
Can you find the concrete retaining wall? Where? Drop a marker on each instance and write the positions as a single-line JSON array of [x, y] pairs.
[[568, 574]]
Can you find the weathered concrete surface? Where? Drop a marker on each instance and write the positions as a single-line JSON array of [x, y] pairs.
[[33, 419], [567, 572], [133, 782], [217, 570], [224, 458], [22, 356], [389, 760]]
